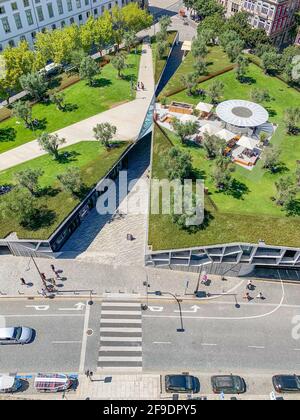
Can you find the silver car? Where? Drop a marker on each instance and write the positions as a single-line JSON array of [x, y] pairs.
[[15, 335]]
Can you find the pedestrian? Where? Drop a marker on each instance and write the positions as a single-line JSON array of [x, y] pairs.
[[57, 274], [138, 85], [247, 297], [23, 282], [52, 268], [143, 86], [249, 285], [43, 276], [204, 278], [260, 296]]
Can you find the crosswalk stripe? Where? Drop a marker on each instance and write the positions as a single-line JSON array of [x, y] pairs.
[[117, 329], [121, 313], [125, 339], [120, 321], [132, 304], [121, 348], [120, 359]]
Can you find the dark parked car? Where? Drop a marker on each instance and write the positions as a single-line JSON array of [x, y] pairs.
[[228, 384], [182, 383], [286, 383]]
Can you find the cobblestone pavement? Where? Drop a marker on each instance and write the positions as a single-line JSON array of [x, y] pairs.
[[103, 238]]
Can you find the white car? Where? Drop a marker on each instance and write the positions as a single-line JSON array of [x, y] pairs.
[[15, 335]]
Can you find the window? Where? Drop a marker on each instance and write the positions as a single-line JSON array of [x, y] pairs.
[[69, 5], [50, 10], [18, 21], [78, 4], [26, 3], [29, 17], [5, 25], [14, 6], [60, 7], [39, 11], [2, 10]]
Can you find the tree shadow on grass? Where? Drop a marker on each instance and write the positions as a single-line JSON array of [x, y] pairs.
[[55, 82], [129, 77], [67, 157], [8, 134], [70, 107], [101, 82], [208, 218], [271, 111], [280, 169], [82, 193], [293, 208], [48, 192], [248, 80], [238, 189], [42, 217], [39, 124]]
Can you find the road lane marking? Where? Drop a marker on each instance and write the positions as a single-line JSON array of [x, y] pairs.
[[120, 312], [84, 337], [122, 329], [208, 344], [38, 307], [77, 307], [40, 315], [256, 347], [162, 342], [120, 359], [116, 304]]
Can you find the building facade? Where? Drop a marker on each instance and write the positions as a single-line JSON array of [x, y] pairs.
[[22, 19], [276, 17]]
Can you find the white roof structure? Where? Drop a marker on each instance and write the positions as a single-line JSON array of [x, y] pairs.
[[187, 46], [204, 107], [6, 381], [187, 118], [248, 143], [242, 113], [209, 129], [225, 135]]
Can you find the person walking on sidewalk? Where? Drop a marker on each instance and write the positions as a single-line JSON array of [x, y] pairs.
[[52, 268], [23, 282], [247, 297], [260, 296], [249, 285]]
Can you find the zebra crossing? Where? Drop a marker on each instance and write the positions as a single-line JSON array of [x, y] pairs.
[[120, 336]]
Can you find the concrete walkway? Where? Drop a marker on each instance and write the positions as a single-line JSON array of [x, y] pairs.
[[128, 118]]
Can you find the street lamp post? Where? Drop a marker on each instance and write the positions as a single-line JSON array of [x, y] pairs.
[[38, 270], [159, 293]]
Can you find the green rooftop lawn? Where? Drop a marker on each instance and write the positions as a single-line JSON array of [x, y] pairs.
[[87, 101], [158, 64], [93, 160], [216, 60], [252, 215]]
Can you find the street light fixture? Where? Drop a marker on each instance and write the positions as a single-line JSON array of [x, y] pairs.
[[159, 293]]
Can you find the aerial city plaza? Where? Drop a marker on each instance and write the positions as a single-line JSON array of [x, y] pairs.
[[149, 202]]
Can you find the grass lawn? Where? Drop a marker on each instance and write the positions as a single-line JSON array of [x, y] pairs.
[[158, 64], [83, 101], [94, 162], [216, 60], [249, 214]]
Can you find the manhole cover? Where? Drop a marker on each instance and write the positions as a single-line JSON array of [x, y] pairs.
[[89, 332]]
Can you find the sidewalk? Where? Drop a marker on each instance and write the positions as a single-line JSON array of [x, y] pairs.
[[102, 279], [128, 118]]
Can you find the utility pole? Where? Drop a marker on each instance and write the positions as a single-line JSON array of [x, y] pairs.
[[38, 270]]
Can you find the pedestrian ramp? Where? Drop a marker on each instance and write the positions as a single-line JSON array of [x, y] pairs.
[[120, 336]]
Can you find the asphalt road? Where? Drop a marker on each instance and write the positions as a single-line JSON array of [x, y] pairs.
[[257, 337], [59, 343]]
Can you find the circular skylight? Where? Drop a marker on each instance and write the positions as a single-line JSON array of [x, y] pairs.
[[242, 113]]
